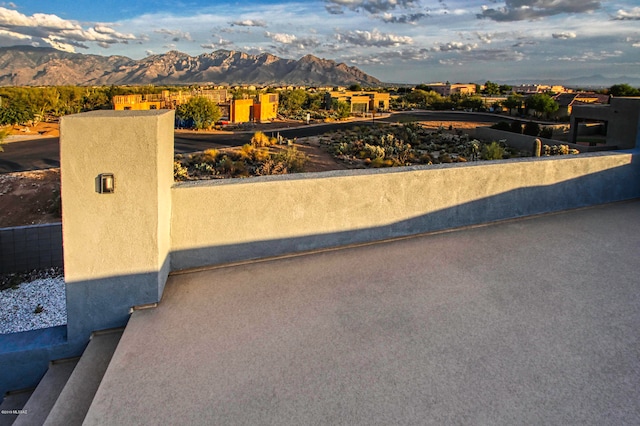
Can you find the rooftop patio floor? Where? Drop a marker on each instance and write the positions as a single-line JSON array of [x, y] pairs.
[[531, 321]]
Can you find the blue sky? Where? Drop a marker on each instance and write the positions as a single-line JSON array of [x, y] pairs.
[[404, 41]]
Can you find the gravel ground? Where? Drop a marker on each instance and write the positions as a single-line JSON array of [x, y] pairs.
[[38, 301]]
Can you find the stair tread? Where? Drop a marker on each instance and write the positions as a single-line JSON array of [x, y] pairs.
[[76, 397], [45, 395], [13, 401]]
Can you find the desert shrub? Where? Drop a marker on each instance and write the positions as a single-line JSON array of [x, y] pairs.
[[531, 129], [546, 132], [54, 205], [247, 152], [445, 158], [502, 125], [271, 167], [179, 171], [253, 154], [259, 139], [380, 162], [232, 168], [425, 158], [205, 168], [372, 151], [515, 127], [293, 159], [210, 155], [492, 151]]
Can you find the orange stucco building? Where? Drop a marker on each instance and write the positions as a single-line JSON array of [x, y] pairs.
[[264, 107]]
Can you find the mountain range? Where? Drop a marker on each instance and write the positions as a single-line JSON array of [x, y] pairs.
[[38, 66]]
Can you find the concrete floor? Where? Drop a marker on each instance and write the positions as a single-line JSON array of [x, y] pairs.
[[534, 321]]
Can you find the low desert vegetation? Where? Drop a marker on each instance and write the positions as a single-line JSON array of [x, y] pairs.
[[365, 146], [407, 144], [263, 156]]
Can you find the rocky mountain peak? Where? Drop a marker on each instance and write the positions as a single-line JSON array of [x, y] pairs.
[[26, 65]]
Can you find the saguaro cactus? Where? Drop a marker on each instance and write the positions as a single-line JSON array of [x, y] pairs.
[[537, 147]]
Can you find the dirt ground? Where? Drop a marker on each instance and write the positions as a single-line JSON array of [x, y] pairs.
[[50, 130], [28, 198]]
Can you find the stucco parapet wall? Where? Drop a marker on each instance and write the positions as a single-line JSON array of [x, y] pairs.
[[595, 112], [229, 220], [394, 170]]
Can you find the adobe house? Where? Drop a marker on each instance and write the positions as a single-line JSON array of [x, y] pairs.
[[361, 102], [621, 118], [262, 108]]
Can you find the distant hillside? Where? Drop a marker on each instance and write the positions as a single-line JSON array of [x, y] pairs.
[[592, 81], [32, 66]]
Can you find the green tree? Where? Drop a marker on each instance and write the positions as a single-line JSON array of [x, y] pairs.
[[512, 102], [422, 98], [474, 102], [541, 103], [623, 90], [314, 101], [423, 87], [505, 88], [17, 112], [292, 101], [202, 112], [95, 98], [355, 88], [342, 109], [491, 88]]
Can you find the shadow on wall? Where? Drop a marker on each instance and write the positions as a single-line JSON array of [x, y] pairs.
[[615, 184]]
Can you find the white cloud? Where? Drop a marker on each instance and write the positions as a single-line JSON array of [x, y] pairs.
[[454, 46], [59, 33], [249, 23], [520, 10], [593, 56], [13, 18], [221, 43], [281, 37], [175, 35], [12, 34], [564, 35], [371, 6], [631, 15], [372, 38], [57, 44]]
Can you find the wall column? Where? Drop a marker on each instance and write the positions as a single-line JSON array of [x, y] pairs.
[[116, 244]]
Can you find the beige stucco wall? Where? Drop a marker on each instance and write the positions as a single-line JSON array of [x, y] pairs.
[[622, 116], [126, 232], [217, 221]]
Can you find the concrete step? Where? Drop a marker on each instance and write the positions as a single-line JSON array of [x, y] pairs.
[[13, 402], [75, 399], [37, 409]]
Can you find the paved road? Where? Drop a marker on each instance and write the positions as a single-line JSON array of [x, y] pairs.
[[44, 153]]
